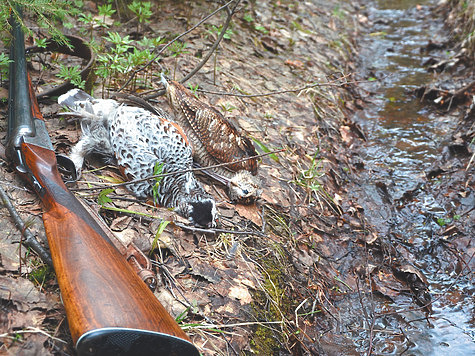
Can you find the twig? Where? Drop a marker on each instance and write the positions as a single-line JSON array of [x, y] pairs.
[[222, 326], [219, 231], [31, 329], [334, 83], [102, 185], [30, 240], [135, 72], [215, 44]]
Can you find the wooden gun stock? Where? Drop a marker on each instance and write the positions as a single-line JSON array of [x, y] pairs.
[[110, 310], [105, 300]]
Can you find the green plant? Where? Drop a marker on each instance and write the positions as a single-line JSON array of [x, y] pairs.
[[41, 42], [262, 29], [40, 274], [248, 18], [161, 228], [215, 30], [4, 66], [103, 197], [177, 49], [72, 74], [338, 12], [194, 89], [228, 107], [182, 316], [115, 63], [265, 149], [143, 11], [442, 222], [89, 22], [309, 179], [150, 43]]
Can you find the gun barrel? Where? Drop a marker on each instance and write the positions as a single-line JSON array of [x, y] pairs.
[[110, 310], [20, 120]]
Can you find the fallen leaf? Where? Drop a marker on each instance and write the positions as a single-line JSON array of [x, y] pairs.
[[240, 293], [250, 212], [120, 223], [295, 64]]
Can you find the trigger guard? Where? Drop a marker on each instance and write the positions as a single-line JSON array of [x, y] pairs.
[[67, 169]]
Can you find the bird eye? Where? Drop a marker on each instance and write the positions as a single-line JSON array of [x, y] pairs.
[[245, 191]]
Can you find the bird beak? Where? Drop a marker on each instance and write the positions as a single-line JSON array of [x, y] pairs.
[[164, 80]]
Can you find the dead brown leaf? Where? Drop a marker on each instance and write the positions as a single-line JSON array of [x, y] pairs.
[[250, 212]]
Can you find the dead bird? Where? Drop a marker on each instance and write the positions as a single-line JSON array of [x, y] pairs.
[[140, 141], [215, 140]]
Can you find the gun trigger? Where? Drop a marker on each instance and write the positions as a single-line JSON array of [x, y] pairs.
[[22, 168]]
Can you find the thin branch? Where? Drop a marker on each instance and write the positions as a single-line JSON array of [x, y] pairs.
[[334, 83], [215, 44], [135, 72], [219, 231], [207, 57], [30, 240], [102, 185]]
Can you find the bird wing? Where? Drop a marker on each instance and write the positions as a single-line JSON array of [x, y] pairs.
[[219, 136]]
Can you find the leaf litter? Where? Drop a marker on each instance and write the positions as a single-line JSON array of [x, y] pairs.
[[280, 286]]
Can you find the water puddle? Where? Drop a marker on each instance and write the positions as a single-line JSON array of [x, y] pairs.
[[405, 138]]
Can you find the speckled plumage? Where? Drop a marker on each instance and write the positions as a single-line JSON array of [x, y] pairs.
[[138, 140], [215, 140]]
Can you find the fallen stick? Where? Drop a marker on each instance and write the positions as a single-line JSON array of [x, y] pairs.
[[30, 240]]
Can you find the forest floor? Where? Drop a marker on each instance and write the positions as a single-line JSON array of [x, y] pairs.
[[290, 273]]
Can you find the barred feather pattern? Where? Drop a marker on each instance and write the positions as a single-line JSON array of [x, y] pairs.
[[215, 140], [139, 140]]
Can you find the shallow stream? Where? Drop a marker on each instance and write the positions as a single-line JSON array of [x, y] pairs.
[[405, 138]]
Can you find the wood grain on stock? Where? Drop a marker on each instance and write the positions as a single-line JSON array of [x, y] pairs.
[[98, 287]]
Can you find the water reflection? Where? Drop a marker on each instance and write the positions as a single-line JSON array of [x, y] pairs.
[[404, 141]]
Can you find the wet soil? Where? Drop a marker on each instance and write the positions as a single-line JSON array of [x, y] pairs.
[[406, 197], [362, 240]]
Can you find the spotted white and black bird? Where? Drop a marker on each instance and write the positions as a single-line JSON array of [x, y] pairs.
[[215, 140], [139, 141]]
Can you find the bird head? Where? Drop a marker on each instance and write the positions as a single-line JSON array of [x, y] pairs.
[[244, 187], [169, 87]]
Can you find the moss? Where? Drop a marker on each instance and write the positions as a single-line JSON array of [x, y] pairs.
[[41, 274], [271, 304]]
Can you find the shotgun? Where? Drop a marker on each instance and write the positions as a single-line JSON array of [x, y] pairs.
[[110, 311]]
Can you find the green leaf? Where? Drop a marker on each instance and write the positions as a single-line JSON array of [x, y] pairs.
[[265, 149], [248, 18], [103, 198], [441, 222], [109, 179], [161, 228], [127, 211]]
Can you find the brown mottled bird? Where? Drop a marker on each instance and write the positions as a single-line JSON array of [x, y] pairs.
[[215, 140]]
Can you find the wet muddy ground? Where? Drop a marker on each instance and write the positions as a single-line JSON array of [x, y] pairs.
[[362, 240], [423, 215]]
